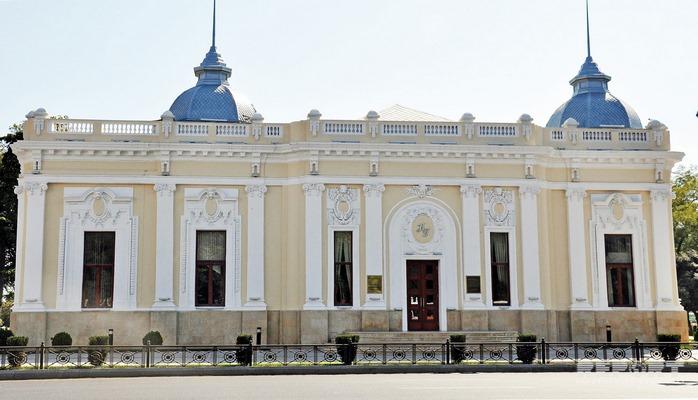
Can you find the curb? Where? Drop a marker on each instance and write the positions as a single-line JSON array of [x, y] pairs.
[[243, 371]]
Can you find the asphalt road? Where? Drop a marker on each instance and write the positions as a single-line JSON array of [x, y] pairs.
[[345, 387]]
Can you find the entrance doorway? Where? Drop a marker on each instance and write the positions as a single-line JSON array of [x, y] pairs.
[[422, 295]]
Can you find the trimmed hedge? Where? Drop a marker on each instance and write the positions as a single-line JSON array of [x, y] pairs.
[[669, 351], [61, 339], [4, 334], [457, 349], [154, 337], [346, 348], [97, 356], [17, 357], [244, 352], [17, 341], [526, 353]]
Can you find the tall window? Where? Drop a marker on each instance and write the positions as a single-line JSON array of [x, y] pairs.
[[98, 270], [210, 268], [343, 269], [619, 270], [499, 254]]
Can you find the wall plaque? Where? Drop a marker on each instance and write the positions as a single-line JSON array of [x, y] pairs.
[[423, 228], [472, 284], [374, 284]]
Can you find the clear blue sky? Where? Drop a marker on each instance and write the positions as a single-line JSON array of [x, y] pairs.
[[129, 59]]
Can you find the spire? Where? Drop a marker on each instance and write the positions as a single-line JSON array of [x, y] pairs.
[[588, 41], [213, 36], [212, 70]]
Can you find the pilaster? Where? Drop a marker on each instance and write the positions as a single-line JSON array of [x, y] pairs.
[[373, 194], [255, 246], [164, 246], [313, 246], [530, 247], [471, 241], [33, 258], [579, 286], [663, 253]]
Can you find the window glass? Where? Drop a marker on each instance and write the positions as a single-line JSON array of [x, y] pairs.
[[619, 270], [210, 268], [343, 268], [499, 252], [98, 269]]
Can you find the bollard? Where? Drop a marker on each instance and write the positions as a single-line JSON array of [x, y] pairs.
[[542, 351], [259, 335], [41, 356], [448, 351]]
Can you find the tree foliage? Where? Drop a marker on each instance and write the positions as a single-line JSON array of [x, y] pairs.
[[685, 213], [9, 172]]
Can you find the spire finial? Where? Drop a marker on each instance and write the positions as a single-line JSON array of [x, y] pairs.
[[588, 41], [213, 38]]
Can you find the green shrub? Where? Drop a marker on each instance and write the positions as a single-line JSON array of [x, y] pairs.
[[695, 334], [244, 351], [457, 338], [526, 352], [346, 348], [97, 355], [61, 339], [669, 351], [457, 349], [154, 337], [17, 357], [4, 334]]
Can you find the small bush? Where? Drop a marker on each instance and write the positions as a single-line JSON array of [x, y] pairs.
[[96, 356], [61, 339], [346, 348], [244, 351], [457, 349], [4, 334], [457, 338], [669, 351], [17, 357], [695, 334], [154, 337], [526, 353]]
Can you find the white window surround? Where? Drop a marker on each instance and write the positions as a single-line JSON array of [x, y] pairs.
[[618, 213], [442, 248], [344, 214], [210, 209], [97, 210], [513, 282]]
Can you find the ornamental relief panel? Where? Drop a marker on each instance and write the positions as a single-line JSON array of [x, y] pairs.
[[617, 211], [212, 207], [343, 206], [499, 207], [422, 228]]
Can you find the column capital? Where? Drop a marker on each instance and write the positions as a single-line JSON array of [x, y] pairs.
[[470, 190], [256, 190], [661, 195], [374, 189], [576, 194], [165, 189], [35, 188], [313, 189], [529, 191], [19, 189]]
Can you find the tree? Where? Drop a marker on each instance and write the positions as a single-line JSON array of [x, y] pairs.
[[685, 213], [9, 172]]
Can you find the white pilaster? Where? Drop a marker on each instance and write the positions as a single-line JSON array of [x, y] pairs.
[[373, 194], [313, 245], [577, 249], [164, 246], [255, 246], [663, 254], [530, 246], [34, 255], [19, 247], [471, 241]]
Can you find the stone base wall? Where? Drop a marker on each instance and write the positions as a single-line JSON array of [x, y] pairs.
[[223, 327]]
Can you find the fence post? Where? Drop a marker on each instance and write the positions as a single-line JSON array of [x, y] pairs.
[[448, 351], [637, 351], [41, 356], [543, 350], [147, 354], [253, 353]]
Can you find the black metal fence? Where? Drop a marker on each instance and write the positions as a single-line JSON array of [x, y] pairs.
[[45, 357]]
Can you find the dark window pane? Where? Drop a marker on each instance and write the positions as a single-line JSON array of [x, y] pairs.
[[99, 247], [210, 268], [343, 269], [499, 249], [619, 270], [210, 245], [218, 285], [619, 249], [98, 269], [201, 285]]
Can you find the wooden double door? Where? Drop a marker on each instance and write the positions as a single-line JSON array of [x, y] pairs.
[[422, 295]]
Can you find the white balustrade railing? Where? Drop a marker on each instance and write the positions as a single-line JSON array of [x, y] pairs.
[[72, 127], [401, 129], [597, 136], [237, 130], [129, 128], [442, 130], [343, 128], [497, 130], [274, 131], [632, 136], [557, 135], [192, 129]]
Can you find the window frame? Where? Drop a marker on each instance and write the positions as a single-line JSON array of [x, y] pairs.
[[494, 265], [99, 270], [340, 264], [619, 269], [486, 288], [208, 265]]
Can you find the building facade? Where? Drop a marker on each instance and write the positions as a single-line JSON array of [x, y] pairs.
[[211, 222]]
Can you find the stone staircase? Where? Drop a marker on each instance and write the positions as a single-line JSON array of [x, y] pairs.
[[435, 337]]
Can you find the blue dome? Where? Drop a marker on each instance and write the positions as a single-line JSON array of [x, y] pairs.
[[592, 105], [212, 99]]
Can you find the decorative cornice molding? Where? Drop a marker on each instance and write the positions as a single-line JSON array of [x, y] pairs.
[[374, 189], [470, 191], [256, 190], [35, 188], [662, 195], [165, 189], [421, 191], [575, 194], [313, 189], [529, 191]]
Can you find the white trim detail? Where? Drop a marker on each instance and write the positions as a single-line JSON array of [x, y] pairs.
[[313, 246], [255, 247], [471, 243], [500, 216], [373, 200], [663, 249], [95, 210], [32, 293], [618, 213], [164, 246], [442, 247], [530, 249], [344, 214], [210, 209], [576, 244]]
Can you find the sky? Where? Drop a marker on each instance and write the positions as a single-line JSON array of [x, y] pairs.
[[497, 59]]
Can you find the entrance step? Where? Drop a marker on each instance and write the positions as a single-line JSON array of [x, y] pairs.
[[435, 337]]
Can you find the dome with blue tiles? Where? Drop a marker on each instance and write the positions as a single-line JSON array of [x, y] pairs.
[[212, 99], [592, 105]]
